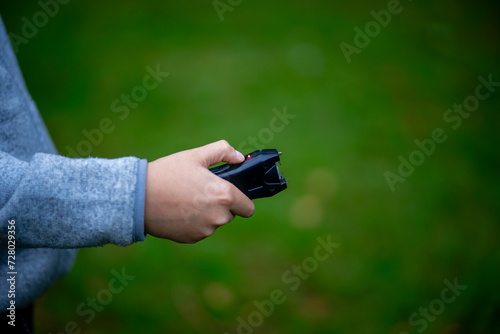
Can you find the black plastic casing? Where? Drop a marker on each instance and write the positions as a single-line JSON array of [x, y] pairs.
[[258, 176]]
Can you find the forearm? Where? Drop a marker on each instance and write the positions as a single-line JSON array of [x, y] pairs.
[[59, 202]]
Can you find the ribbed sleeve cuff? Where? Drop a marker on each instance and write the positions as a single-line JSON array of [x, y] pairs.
[[140, 199]]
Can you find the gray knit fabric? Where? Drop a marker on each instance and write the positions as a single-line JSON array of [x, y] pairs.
[[58, 204]]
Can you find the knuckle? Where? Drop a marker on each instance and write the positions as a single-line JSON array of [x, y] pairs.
[[224, 144], [225, 200], [223, 196], [207, 232], [220, 220]]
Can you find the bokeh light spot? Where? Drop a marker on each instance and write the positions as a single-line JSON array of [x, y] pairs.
[[322, 182], [217, 295], [307, 211]]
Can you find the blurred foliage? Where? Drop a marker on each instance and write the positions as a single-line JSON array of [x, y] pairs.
[[353, 121]]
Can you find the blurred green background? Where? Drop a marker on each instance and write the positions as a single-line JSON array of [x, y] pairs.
[[353, 121]]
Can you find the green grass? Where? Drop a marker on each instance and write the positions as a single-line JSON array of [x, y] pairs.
[[352, 122]]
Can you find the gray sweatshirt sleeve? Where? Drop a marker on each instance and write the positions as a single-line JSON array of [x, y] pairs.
[[59, 202]]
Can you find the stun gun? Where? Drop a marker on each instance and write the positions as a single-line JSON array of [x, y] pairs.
[[258, 176]]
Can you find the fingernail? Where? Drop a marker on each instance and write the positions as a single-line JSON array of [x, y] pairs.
[[239, 155]]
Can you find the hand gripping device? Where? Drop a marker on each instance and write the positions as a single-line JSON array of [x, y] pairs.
[[258, 176]]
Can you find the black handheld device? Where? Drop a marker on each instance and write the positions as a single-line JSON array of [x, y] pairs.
[[258, 176]]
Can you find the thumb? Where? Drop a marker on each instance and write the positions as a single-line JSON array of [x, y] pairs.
[[219, 151]]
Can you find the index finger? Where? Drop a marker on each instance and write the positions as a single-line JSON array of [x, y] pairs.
[[241, 205]]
